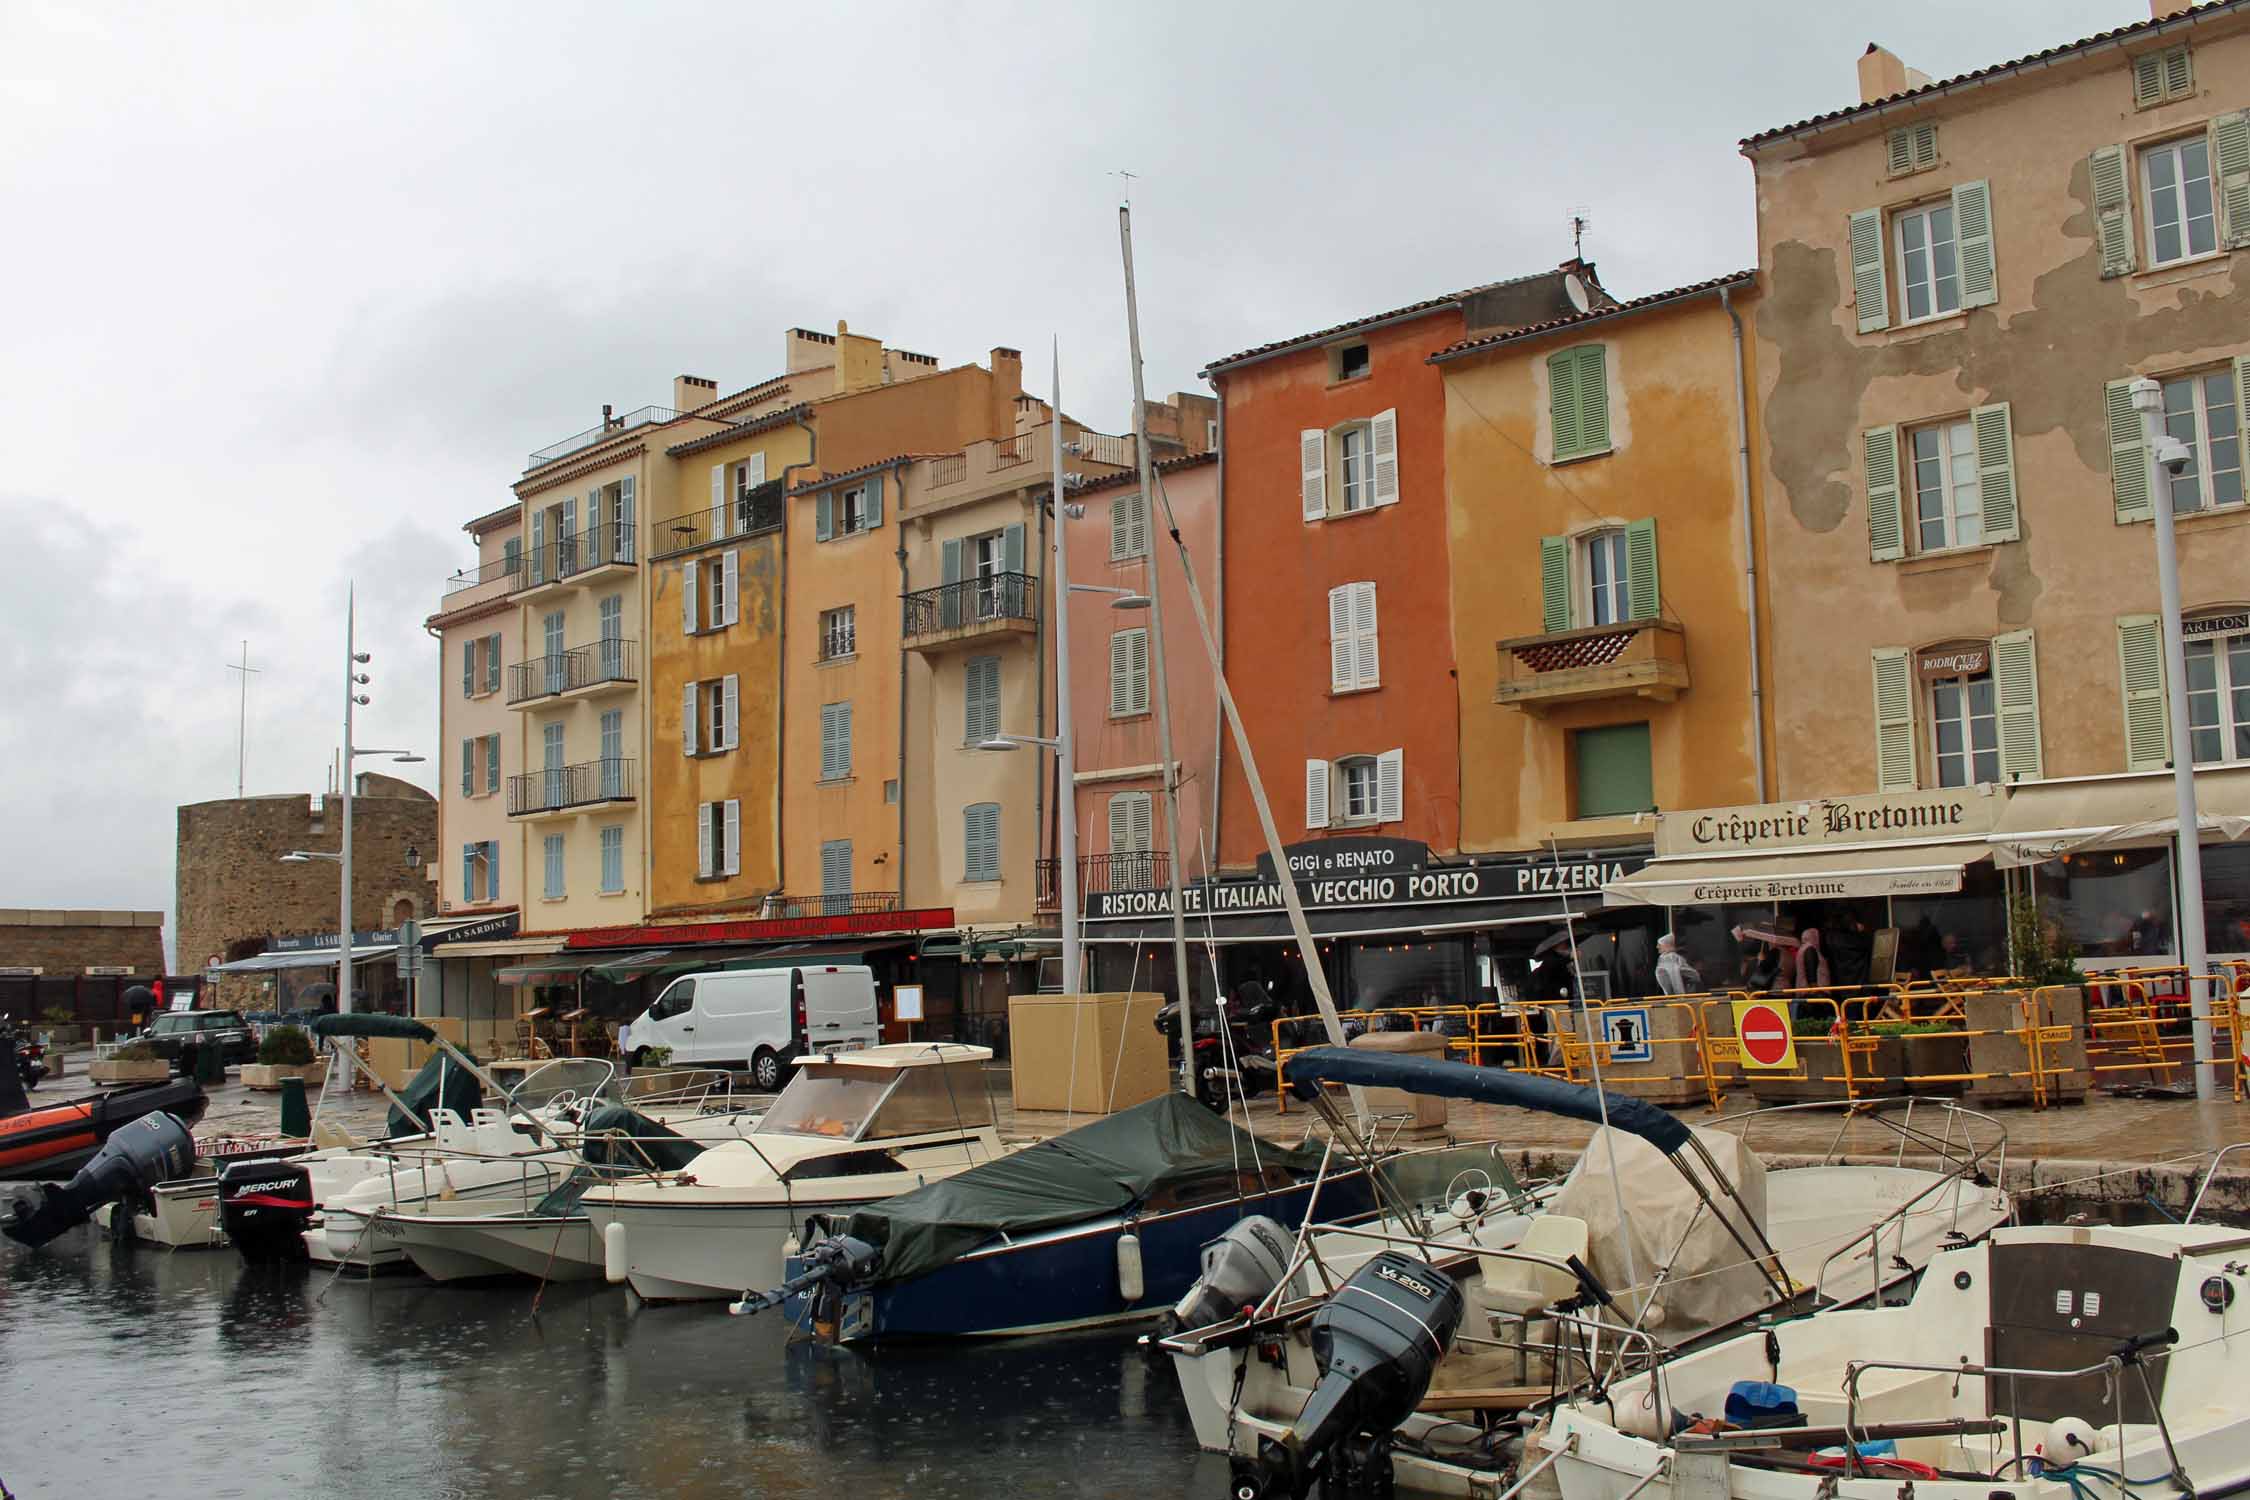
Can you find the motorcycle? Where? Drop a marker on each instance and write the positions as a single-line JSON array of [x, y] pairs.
[[30, 1056], [1233, 1045]]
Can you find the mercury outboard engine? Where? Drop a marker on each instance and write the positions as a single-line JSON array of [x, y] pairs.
[[1376, 1343], [265, 1206], [1240, 1268], [826, 1262], [138, 1155]]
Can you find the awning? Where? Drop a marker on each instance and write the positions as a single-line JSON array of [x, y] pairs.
[[498, 948], [305, 958], [561, 968], [628, 967], [2046, 820], [1798, 875]]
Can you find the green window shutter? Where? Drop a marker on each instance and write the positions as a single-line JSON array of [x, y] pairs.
[[2140, 669], [1870, 292], [492, 664], [1996, 471], [492, 763], [824, 515], [1886, 523], [1894, 720], [1613, 771], [1972, 221], [949, 602], [2128, 457], [2113, 218], [1554, 583], [2015, 680], [468, 670], [1562, 402], [1593, 399], [2230, 169], [1641, 587]]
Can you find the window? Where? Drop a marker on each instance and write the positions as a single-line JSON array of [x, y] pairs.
[[835, 741], [1347, 361], [708, 597], [988, 561], [1965, 729], [980, 695], [980, 859], [2202, 411], [1948, 508], [2218, 688], [1358, 789], [851, 509], [491, 763], [1211, 434], [718, 839], [1578, 401], [1929, 267], [1349, 468], [553, 888], [511, 556], [710, 715], [1612, 775], [480, 868], [1128, 672], [836, 868], [1131, 823], [1354, 657], [475, 682], [613, 860], [2162, 76], [890, 792], [839, 633], [1913, 148], [748, 476], [2176, 189], [1608, 578], [848, 511], [1128, 528]]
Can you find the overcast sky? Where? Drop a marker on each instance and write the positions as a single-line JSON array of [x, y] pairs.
[[291, 290]]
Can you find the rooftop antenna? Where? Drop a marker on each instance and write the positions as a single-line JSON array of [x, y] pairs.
[[1128, 176], [242, 719], [1578, 228]]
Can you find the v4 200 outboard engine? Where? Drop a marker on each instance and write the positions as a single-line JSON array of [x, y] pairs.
[[138, 1155], [264, 1206], [1376, 1344], [1239, 1268]]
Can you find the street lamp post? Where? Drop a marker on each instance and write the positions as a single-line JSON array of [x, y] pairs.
[[354, 680], [2168, 456]]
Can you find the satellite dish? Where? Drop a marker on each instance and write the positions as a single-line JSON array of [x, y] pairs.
[[1577, 290]]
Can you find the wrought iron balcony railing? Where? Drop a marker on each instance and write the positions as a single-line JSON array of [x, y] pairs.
[[987, 599], [564, 787], [835, 904], [1121, 870], [610, 659], [596, 547], [491, 572], [750, 514]]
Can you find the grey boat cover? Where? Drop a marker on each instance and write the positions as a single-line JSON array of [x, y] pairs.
[[1092, 1172], [442, 1084], [618, 1142]]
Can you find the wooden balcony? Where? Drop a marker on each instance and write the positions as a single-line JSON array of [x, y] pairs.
[[1641, 659]]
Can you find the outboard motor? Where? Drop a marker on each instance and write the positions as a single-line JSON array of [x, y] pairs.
[[826, 1262], [1376, 1344], [1240, 1268], [264, 1207], [137, 1156]]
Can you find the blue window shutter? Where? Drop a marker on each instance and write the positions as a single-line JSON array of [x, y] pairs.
[[1011, 549]]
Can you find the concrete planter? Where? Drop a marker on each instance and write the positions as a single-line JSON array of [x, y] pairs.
[[268, 1076], [1673, 1074], [1821, 1061], [111, 1070], [1933, 1061], [2002, 1052]]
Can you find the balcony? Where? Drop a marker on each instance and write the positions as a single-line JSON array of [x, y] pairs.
[[609, 665], [473, 586], [752, 514], [778, 907], [995, 464], [565, 789], [952, 614], [601, 434], [1126, 870], [1642, 659], [576, 559]]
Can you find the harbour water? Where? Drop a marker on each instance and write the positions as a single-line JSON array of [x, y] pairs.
[[129, 1370]]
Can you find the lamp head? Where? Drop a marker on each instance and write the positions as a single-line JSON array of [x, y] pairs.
[[997, 743], [2148, 396], [1130, 601]]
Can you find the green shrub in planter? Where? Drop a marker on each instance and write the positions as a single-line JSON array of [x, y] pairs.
[[285, 1047], [134, 1052]]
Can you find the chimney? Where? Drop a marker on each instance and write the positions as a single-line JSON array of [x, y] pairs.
[[689, 392], [1007, 385], [859, 359], [606, 421], [2159, 10], [1882, 75]]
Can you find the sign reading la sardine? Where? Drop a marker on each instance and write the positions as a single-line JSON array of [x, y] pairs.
[[1889, 817], [1427, 886]]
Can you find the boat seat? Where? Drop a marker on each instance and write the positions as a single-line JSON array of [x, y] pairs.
[[328, 1135], [494, 1135], [1518, 1292]]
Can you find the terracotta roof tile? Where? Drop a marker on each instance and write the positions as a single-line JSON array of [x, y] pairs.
[[1595, 315], [1434, 304], [1133, 476], [755, 425]]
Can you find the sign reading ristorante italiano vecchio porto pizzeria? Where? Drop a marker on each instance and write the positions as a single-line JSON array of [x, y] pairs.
[[1375, 873], [1919, 817]]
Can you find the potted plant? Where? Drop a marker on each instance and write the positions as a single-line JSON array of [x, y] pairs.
[[131, 1062], [2051, 995], [62, 1025], [283, 1052]]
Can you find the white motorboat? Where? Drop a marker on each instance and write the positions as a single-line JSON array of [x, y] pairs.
[[1671, 1233], [849, 1130]]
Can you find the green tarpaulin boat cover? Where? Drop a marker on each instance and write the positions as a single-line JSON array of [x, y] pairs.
[[1089, 1173], [618, 1142], [442, 1084], [372, 1023]]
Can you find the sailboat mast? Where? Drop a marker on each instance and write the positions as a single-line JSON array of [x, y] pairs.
[[1066, 760]]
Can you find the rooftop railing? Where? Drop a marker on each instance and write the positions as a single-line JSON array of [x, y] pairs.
[[592, 435]]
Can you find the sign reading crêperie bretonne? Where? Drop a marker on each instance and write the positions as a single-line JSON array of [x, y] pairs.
[[1919, 817]]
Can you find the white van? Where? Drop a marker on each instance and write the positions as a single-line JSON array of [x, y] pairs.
[[759, 1019]]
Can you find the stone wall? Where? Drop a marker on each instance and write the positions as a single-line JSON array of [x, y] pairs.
[[236, 896], [68, 943]]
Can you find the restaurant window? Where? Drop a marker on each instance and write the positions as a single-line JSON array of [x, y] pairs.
[[2218, 689], [1965, 931], [2226, 898], [2110, 903], [1419, 972], [2203, 412], [1613, 774]]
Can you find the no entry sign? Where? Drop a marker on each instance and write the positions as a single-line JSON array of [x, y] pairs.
[[1762, 1028]]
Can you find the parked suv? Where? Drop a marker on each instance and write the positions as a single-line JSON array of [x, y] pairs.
[[173, 1032]]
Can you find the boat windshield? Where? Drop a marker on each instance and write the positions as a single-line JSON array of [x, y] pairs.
[[856, 1103], [835, 1104]]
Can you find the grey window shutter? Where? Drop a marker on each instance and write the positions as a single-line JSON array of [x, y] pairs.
[[628, 521], [1144, 819], [1972, 224], [1886, 522], [721, 512], [1120, 674], [2109, 175], [1316, 794], [1011, 549], [1382, 442], [2015, 681], [1643, 592], [542, 563], [949, 602], [874, 501], [2140, 669], [688, 570], [569, 520], [1900, 145], [1996, 471], [824, 515], [492, 663], [2128, 456], [1390, 786], [1870, 291], [1554, 583], [2230, 172], [1312, 467], [1368, 663], [733, 837], [690, 699], [703, 851], [729, 577], [1121, 822], [1894, 720], [1343, 660], [730, 711], [1139, 642]]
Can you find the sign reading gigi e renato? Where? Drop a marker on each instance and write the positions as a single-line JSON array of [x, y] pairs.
[[1917, 817]]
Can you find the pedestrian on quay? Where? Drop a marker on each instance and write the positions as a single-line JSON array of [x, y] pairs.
[[1674, 974]]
